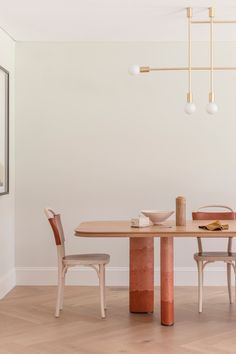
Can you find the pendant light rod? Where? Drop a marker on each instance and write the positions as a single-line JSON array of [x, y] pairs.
[[211, 15], [189, 15], [190, 107], [198, 22], [147, 69], [211, 107]]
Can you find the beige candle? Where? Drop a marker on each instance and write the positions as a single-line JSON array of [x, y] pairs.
[[180, 211]]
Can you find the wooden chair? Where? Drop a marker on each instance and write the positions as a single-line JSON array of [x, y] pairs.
[[96, 261], [203, 258]]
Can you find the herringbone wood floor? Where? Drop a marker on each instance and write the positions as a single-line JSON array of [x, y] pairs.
[[27, 325]]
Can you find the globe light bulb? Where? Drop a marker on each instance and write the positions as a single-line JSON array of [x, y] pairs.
[[212, 108], [134, 70], [190, 108]]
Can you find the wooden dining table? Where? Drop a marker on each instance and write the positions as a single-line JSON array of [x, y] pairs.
[[141, 280]]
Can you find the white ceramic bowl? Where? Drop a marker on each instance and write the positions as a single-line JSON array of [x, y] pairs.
[[156, 216]]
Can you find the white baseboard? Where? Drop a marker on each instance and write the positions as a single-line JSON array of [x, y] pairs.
[[115, 276], [7, 283]]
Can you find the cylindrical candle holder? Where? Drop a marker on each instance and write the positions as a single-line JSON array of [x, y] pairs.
[[180, 211]]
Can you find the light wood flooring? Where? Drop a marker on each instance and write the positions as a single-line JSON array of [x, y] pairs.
[[27, 324]]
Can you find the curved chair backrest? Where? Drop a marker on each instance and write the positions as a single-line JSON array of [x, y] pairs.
[[215, 215], [56, 225]]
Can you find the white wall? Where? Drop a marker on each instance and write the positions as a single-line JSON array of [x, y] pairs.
[[96, 143], [7, 244]]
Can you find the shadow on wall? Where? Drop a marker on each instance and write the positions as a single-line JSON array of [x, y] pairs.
[[1, 175]]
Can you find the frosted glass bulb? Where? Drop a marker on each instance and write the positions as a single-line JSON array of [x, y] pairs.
[[211, 108], [190, 108], [134, 70]]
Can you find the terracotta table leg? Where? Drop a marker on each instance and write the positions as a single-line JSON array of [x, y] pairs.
[[141, 291], [167, 281]]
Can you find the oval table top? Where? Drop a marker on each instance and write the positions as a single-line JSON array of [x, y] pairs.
[[123, 228]]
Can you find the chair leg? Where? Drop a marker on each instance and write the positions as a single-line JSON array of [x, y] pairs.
[[101, 287], [104, 287], [235, 281], [229, 282], [59, 291], [200, 284], [62, 290]]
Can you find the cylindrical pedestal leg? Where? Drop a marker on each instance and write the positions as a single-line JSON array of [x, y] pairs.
[[141, 292], [167, 281]]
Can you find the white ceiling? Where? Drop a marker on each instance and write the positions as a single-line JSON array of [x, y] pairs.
[[111, 20]]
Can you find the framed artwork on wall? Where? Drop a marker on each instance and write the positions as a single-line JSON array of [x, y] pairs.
[[4, 131]]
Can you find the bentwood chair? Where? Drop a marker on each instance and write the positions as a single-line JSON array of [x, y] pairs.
[[96, 261], [204, 258]]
